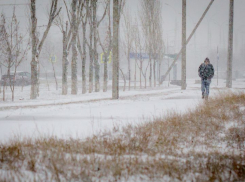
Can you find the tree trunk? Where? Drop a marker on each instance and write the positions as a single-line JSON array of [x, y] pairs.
[[150, 77], [154, 73], [34, 65], [34, 78], [105, 75], [135, 74], [129, 72], [4, 87], [46, 75], [38, 75], [96, 63], [64, 64], [74, 49], [36, 48], [84, 87], [183, 70], [159, 73], [22, 85], [141, 67], [56, 83], [91, 75], [91, 63], [124, 80], [230, 46], [115, 65], [13, 94], [97, 71], [1, 77], [83, 58]]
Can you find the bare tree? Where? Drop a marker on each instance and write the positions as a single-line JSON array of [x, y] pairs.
[[91, 54], [135, 48], [48, 53], [95, 53], [84, 13], [74, 30], [150, 13], [117, 8], [158, 44], [160, 57], [106, 46], [92, 44], [124, 79], [147, 11], [65, 62], [1, 77], [96, 25], [13, 49], [139, 48], [128, 28], [75, 15], [65, 29], [37, 45]]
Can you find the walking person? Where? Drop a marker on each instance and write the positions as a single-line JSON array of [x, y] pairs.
[[206, 73]]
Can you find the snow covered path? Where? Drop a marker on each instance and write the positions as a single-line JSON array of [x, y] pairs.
[[84, 119], [84, 115]]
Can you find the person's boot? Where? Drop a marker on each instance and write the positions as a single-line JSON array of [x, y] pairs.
[[203, 95]]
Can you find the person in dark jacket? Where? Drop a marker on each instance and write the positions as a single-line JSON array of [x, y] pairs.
[[206, 73]]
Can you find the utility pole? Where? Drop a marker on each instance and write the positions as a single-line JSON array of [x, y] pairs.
[[217, 65], [115, 51], [175, 46], [183, 72], [188, 40], [230, 46], [168, 62]]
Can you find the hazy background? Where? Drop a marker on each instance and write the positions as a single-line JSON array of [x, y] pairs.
[[212, 32]]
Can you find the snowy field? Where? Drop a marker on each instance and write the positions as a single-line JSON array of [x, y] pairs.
[[147, 135], [83, 115]]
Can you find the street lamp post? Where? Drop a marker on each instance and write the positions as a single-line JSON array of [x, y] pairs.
[[183, 70], [217, 65]]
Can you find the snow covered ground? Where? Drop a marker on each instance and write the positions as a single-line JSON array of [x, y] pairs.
[[84, 115]]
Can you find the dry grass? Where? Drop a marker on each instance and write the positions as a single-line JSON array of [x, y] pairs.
[[205, 144]]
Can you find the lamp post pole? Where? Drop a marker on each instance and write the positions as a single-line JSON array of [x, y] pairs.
[[183, 70], [217, 65]]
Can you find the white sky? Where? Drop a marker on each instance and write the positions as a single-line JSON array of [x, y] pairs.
[[216, 22]]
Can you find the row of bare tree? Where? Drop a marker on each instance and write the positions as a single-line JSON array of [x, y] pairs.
[[81, 28], [14, 48], [143, 35], [79, 23]]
